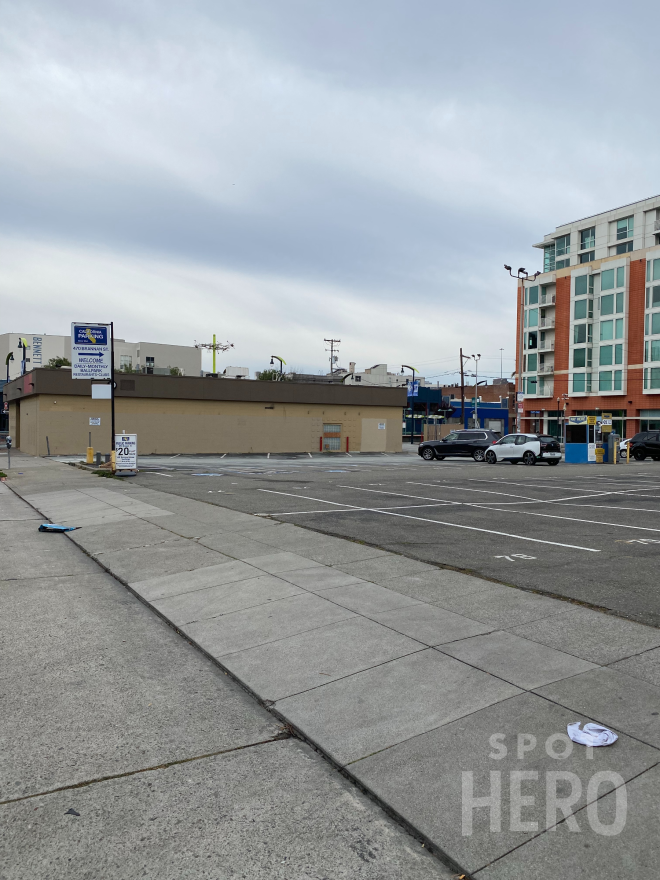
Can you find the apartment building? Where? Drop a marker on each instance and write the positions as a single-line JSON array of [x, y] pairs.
[[588, 337]]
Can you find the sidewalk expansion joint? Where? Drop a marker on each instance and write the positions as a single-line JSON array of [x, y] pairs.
[[285, 733]]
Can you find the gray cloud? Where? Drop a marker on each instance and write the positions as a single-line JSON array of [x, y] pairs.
[[396, 153]]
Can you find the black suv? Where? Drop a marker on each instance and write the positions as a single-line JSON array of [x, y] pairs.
[[472, 442], [644, 444]]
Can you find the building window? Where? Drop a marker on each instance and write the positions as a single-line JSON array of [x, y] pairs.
[[125, 362], [624, 248], [533, 295], [653, 272], [579, 357], [580, 310], [607, 330], [533, 320], [578, 382], [607, 279], [532, 339], [531, 385], [653, 297], [618, 354], [619, 301], [549, 258], [532, 360], [563, 245], [607, 304], [620, 276], [655, 324], [581, 283], [587, 238], [588, 256], [652, 377], [562, 264], [618, 380], [605, 381], [655, 350], [579, 334], [618, 328], [624, 228], [605, 356]]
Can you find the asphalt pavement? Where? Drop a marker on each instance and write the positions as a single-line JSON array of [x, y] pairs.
[[590, 533]]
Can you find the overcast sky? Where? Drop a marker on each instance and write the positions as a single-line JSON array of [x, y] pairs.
[[280, 171]]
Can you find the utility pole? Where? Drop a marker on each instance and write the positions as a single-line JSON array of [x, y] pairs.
[[501, 368], [214, 346], [333, 357]]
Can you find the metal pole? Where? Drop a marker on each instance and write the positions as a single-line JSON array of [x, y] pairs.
[[214, 353], [462, 392], [112, 394], [501, 367]]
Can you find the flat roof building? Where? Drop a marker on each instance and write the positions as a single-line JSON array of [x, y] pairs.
[[51, 413], [588, 330]]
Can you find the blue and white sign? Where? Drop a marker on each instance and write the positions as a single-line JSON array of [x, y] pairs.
[[413, 388], [90, 351]]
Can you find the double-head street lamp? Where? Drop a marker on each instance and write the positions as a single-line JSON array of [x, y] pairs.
[[521, 275]]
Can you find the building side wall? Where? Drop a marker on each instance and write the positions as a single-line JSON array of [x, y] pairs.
[[167, 426]]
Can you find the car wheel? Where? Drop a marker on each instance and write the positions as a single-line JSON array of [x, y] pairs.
[[490, 457], [639, 454], [529, 457], [440, 457], [478, 455], [553, 462], [428, 454]]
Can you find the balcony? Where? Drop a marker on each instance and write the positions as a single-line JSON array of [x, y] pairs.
[[547, 322], [546, 368], [546, 346], [547, 299]]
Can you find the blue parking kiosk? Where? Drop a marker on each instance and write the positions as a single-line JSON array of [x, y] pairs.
[[580, 444]]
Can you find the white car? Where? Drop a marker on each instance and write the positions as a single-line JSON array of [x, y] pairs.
[[623, 451], [525, 448]]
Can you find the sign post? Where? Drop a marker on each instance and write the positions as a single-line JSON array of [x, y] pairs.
[[93, 357]]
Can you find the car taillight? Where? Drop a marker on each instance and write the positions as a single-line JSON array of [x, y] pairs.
[[493, 443]]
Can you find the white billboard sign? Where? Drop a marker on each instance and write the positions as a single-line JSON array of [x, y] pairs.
[[126, 452], [91, 356]]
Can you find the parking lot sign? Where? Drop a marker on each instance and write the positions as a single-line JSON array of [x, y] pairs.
[[91, 351], [126, 452]]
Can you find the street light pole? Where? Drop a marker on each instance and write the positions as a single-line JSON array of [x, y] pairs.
[[522, 275], [281, 360], [475, 415]]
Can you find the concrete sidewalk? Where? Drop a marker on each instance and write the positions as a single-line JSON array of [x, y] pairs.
[[125, 753], [427, 686]]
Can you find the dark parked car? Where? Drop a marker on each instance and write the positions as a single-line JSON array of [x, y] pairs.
[[644, 444], [473, 442]]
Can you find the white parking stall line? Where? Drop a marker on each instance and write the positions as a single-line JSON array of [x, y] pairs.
[[351, 509], [484, 505], [438, 522], [466, 489]]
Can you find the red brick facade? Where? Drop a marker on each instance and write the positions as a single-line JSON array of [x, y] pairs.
[[633, 400]]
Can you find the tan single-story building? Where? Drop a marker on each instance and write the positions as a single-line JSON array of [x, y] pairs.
[[49, 412]]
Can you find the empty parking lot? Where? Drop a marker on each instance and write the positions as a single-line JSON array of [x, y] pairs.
[[591, 533]]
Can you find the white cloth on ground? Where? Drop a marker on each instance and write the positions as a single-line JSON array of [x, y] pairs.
[[591, 734]]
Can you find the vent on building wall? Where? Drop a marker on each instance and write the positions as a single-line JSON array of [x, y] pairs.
[[127, 384]]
